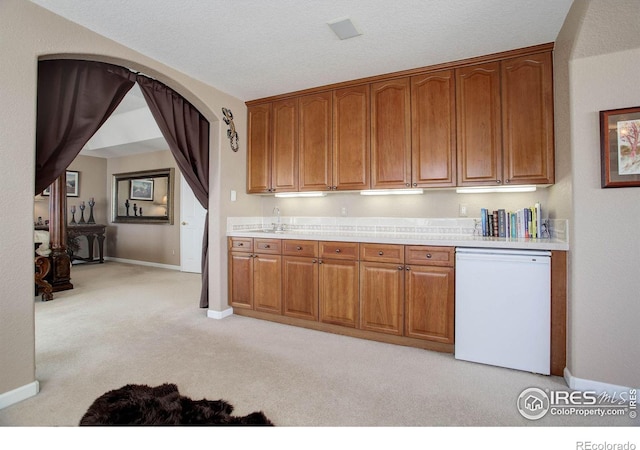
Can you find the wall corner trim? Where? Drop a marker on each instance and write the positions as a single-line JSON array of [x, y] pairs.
[[219, 314], [582, 384], [17, 395]]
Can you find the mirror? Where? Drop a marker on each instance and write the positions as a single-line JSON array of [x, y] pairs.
[[143, 197]]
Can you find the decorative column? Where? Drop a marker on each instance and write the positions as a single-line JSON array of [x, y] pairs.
[[61, 262]]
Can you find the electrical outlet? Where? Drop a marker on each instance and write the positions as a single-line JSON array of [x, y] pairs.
[[462, 210], [343, 211]]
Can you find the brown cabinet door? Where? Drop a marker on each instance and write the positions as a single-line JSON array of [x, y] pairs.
[[315, 141], [267, 270], [351, 138], [430, 303], [338, 292], [284, 146], [259, 148], [479, 137], [241, 280], [391, 134], [381, 297], [527, 119], [300, 287], [433, 129]]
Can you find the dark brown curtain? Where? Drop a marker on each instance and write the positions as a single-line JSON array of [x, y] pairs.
[[74, 100], [187, 133]]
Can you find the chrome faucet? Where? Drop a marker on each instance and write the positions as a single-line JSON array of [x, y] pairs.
[[277, 226]]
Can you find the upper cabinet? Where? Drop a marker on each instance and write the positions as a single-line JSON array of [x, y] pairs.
[[478, 124], [391, 134], [272, 157], [351, 138], [527, 119], [259, 149], [433, 130], [505, 122], [315, 141], [484, 121]]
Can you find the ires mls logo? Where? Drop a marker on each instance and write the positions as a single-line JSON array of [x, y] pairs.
[[535, 403]]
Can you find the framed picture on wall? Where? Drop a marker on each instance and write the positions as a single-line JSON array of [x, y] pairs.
[[620, 147], [141, 190], [73, 184]]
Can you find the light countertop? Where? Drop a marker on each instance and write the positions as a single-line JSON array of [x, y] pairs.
[[448, 240]]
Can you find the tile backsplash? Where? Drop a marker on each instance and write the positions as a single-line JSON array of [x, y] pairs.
[[558, 228]]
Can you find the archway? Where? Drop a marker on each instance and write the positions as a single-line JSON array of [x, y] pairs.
[[160, 113]]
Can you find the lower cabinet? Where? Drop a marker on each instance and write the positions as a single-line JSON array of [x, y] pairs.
[[375, 290], [300, 278], [429, 303], [300, 287], [253, 267], [382, 297], [267, 295], [338, 287]]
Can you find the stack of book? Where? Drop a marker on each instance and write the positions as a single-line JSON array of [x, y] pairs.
[[523, 223]]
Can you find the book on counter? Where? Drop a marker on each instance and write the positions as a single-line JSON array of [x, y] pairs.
[[522, 223]]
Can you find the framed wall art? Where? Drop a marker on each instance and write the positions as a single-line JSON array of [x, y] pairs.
[[73, 184], [141, 190], [620, 147]]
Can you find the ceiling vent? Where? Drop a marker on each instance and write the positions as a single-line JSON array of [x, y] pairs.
[[344, 28]]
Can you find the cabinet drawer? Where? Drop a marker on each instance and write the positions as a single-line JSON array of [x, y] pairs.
[[293, 247], [339, 250], [238, 244], [382, 253], [429, 256], [273, 246]]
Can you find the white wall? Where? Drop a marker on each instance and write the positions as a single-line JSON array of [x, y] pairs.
[[604, 282], [28, 32]]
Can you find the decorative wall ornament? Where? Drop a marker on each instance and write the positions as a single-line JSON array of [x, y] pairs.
[[232, 134]]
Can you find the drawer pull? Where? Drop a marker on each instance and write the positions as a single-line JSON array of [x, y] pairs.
[[380, 253], [400, 268], [240, 244], [298, 248], [428, 255], [314, 261], [337, 250], [268, 246]]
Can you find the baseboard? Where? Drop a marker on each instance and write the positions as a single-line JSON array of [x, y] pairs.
[[19, 394], [219, 314], [582, 384], [142, 263]]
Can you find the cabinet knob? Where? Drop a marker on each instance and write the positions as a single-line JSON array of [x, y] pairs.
[[240, 244], [267, 246], [415, 184], [380, 253], [313, 261], [401, 268], [407, 268], [337, 250], [407, 184], [320, 261], [428, 255], [507, 181], [298, 248], [498, 181]]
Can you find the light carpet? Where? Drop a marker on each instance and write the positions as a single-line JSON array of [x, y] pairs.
[[128, 324]]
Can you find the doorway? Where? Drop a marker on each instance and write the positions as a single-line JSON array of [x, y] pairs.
[[192, 218]]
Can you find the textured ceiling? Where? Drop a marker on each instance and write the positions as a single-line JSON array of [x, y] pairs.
[[257, 48]]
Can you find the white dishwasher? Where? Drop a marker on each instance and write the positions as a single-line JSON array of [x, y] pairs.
[[503, 308]]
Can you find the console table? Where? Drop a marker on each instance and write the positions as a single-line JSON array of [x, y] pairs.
[[92, 232]]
